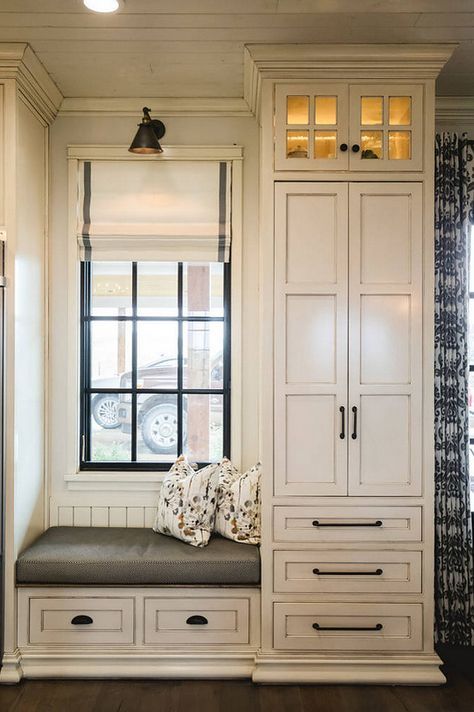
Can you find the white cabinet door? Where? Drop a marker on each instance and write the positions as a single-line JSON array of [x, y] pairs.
[[311, 125], [310, 338], [385, 339], [386, 127]]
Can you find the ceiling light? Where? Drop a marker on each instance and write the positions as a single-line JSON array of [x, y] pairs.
[[102, 5], [147, 137]]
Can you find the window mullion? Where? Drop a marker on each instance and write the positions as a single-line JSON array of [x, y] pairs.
[[179, 404], [134, 364]]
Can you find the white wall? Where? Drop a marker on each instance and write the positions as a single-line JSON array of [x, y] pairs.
[[179, 131], [29, 317]]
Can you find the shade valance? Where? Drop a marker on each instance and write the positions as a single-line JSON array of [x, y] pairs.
[[154, 210]]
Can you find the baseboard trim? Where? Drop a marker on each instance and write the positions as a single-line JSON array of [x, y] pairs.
[[133, 663], [11, 671], [353, 670]]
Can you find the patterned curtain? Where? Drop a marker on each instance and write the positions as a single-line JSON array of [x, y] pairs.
[[454, 213]]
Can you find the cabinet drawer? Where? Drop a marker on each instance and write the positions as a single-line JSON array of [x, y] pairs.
[[350, 524], [347, 571], [81, 620], [337, 626], [197, 621]]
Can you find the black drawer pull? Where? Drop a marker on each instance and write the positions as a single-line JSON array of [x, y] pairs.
[[356, 148], [354, 431], [343, 147], [377, 572], [82, 620], [342, 411], [316, 626], [317, 523], [197, 620]]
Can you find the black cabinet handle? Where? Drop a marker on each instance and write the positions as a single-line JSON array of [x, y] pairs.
[[355, 148], [343, 147], [316, 626], [82, 620], [197, 620], [354, 429], [342, 411], [377, 572], [317, 523]]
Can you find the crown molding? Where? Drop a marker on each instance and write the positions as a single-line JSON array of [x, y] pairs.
[[344, 61], [162, 107], [455, 110], [19, 62]]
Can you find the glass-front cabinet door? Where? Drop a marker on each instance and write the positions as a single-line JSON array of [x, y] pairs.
[[385, 127], [311, 125]]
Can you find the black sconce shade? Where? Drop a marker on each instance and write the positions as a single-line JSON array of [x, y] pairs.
[[147, 137]]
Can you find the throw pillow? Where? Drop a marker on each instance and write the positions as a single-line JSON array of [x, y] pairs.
[[238, 503], [187, 503]]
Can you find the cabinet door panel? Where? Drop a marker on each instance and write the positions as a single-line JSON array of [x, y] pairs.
[[385, 339], [386, 122], [311, 123], [310, 338]]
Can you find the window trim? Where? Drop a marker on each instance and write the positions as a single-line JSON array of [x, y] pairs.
[[139, 480], [85, 464]]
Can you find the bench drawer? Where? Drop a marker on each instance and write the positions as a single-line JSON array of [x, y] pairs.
[[81, 620], [197, 621], [347, 571], [337, 626], [348, 524]]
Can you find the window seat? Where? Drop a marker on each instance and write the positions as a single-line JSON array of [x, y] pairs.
[[102, 556]]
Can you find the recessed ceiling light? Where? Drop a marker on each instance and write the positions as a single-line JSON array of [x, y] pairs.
[[102, 5]]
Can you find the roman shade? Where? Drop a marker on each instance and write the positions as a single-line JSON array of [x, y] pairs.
[[154, 210]]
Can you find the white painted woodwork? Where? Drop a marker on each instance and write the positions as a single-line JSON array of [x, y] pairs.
[[50, 619], [311, 324], [165, 620], [294, 571], [295, 523], [402, 629], [385, 338], [415, 162], [99, 515]]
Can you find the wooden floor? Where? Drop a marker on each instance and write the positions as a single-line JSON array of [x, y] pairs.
[[243, 696]]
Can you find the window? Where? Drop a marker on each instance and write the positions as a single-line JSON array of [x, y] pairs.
[[155, 363]]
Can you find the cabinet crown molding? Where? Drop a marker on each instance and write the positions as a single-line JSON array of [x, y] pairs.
[[340, 61], [19, 62]]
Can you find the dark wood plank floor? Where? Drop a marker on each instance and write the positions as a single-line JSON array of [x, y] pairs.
[[243, 696]]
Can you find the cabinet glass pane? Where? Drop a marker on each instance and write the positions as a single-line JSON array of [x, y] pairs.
[[325, 110], [371, 110], [399, 111], [399, 145], [297, 110], [297, 144], [371, 143], [325, 144]]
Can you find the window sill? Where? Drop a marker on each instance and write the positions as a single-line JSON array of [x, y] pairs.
[[114, 481]]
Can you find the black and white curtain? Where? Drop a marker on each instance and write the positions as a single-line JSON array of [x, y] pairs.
[[454, 214]]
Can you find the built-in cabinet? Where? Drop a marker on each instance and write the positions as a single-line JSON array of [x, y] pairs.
[[348, 338], [347, 412], [341, 126]]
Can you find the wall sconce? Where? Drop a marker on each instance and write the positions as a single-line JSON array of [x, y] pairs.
[[147, 138]]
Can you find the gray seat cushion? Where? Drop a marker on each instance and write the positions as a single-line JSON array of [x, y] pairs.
[[101, 556]]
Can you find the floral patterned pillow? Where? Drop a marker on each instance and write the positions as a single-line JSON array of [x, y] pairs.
[[238, 503], [187, 503]]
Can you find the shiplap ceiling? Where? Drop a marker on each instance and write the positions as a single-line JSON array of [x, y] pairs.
[[194, 48]]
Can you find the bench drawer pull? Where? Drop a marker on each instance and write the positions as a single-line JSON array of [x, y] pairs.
[[316, 626], [82, 620], [317, 523], [197, 620], [377, 572]]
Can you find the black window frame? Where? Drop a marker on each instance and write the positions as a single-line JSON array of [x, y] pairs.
[[86, 391]]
